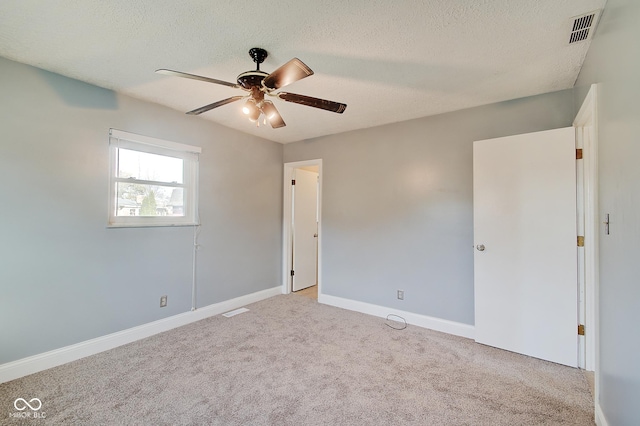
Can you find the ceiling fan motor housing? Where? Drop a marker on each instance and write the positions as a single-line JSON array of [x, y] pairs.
[[250, 79]]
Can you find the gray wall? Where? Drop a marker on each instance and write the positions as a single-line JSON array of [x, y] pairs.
[[614, 61], [65, 277], [397, 203]]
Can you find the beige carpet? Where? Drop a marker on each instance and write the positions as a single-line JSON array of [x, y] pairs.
[[311, 292], [292, 361]]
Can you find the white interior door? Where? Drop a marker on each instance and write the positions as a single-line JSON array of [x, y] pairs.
[[525, 261], [305, 228]]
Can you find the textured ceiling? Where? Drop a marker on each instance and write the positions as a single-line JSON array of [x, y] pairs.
[[388, 60]]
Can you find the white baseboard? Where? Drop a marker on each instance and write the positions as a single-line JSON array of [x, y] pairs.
[[432, 323], [33, 364], [601, 420]]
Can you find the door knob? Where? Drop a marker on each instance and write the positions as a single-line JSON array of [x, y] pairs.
[[480, 247]]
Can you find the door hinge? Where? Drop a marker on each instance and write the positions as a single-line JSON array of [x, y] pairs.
[[293, 181], [580, 330], [580, 241], [292, 273], [579, 154]]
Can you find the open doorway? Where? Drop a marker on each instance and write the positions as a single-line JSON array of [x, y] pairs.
[[302, 228]]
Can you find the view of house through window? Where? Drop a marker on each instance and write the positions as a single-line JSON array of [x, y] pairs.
[[153, 182], [149, 184]]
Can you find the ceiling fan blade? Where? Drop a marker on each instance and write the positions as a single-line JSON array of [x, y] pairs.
[[215, 105], [272, 114], [288, 73], [195, 77], [313, 102]]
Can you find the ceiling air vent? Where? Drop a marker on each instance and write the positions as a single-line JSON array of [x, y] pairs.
[[583, 27]]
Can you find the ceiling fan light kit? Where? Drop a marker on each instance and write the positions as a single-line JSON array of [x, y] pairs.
[[251, 110], [258, 84]]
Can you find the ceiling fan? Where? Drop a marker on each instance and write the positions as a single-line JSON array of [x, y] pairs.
[[258, 84]]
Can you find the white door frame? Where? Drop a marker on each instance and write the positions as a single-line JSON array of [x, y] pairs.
[[287, 231], [586, 124]]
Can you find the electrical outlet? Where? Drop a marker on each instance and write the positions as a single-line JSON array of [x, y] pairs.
[[401, 294], [163, 301]]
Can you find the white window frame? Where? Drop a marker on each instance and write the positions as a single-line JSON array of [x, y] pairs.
[[188, 153]]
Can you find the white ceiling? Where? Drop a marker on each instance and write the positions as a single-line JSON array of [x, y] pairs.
[[388, 60]]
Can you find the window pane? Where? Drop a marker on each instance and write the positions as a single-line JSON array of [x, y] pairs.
[[148, 200], [145, 166]]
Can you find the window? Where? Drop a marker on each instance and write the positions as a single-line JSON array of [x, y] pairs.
[[152, 182]]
